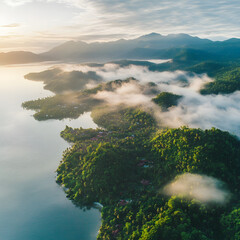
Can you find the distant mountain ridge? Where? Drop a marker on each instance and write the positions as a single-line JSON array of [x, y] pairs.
[[153, 45], [122, 49], [20, 57]]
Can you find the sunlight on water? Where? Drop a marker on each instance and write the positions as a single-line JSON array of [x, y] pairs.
[[33, 206]]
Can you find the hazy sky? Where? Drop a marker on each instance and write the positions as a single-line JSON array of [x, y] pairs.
[[41, 24]]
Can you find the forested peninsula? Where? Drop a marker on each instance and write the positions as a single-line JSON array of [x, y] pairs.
[[132, 161]]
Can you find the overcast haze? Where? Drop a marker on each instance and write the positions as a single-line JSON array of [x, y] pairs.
[[38, 25]]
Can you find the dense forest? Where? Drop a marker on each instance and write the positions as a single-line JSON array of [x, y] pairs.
[[126, 173], [129, 161]]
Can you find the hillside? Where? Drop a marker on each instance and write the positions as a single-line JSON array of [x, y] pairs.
[[148, 46], [175, 46]]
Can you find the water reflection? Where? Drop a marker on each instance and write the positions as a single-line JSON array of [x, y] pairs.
[[33, 206]]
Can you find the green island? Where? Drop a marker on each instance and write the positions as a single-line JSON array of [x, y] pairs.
[[127, 161]]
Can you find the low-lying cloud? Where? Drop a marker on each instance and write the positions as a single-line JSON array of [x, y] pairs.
[[200, 187], [130, 94], [193, 110], [112, 71]]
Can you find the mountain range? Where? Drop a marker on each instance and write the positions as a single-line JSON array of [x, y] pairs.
[[180, 47]]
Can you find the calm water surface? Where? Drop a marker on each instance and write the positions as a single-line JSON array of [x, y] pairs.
[[32, 205]]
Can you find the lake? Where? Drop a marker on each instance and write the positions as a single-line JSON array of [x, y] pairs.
[[33, 206]]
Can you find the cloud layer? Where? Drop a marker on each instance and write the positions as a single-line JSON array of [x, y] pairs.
[[204, 18], [195, 17], [130, 94], [193, 110], [15, 3], [200, 187], [12, 25], [113, 19]]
